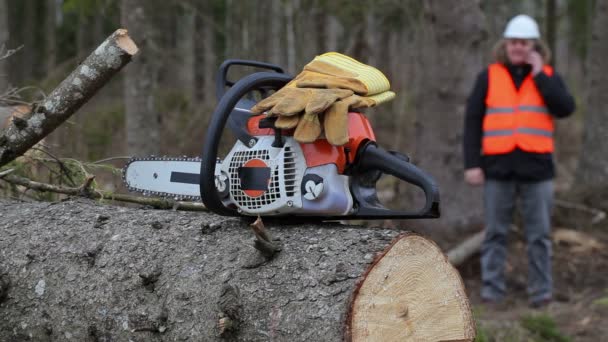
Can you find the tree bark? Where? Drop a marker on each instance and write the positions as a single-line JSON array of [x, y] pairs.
[[592, 173], [143, 121], [114, 53], [92, 272], [451, 57]]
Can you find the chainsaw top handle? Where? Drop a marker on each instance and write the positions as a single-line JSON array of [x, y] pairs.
[[223, 111], [221, 81]]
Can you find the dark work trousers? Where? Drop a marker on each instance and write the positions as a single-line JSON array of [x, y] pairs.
[[536, 200]]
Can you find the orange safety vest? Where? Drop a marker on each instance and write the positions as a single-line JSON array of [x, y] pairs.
[[515, 117]]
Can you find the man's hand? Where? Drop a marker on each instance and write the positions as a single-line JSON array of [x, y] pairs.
[[536, 60], [474, 176]]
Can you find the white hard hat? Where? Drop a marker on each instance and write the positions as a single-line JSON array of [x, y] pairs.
[[523, 27]]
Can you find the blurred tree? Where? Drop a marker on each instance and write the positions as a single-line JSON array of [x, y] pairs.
[[185, 37], [579, 17], [551, 25], [4, 35], [592, 177], [143, 121], [451, 57], [50, 35]]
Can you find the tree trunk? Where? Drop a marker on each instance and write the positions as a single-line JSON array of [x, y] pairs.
[[210, 63], [276, 29], [89, 272], [50, 36], [290, 34], [4, 35], [592, 173], [333, 33], [451, 57], [185, 53], [114, 53], [28, 54], [143, 121], [551, 26]]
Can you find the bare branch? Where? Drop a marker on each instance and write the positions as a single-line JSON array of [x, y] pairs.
[[81, 191], [6, 53]]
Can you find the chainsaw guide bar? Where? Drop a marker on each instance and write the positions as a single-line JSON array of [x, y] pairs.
[[176, 178]]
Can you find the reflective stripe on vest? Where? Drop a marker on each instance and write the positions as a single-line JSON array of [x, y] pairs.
[[515, 118]]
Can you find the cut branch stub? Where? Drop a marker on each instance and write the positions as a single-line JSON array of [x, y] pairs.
[[74, 91], [410, 293]]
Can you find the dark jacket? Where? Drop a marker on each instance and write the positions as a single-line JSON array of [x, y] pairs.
[[517, 165]]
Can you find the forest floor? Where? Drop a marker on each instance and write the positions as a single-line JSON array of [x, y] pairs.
[[579, 311]]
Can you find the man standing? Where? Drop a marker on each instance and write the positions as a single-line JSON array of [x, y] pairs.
[[508, 147]]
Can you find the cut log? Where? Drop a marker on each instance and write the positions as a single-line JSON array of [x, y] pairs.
[[411, 293], [114, 53], [82, 271]]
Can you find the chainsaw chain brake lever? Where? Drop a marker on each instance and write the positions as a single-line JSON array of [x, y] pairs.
[[237, 121], [373, 160]]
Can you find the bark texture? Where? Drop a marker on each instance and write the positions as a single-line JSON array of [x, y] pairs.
[[143, 120], [83, 271], [592, 178], [93, 73], [451, 56]]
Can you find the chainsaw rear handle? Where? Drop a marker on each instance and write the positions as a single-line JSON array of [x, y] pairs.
[[372, 158], [222, 112], [221, 81]]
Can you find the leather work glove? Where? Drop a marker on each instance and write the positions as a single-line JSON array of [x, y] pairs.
[[335, 121], [331, 83], [290, 100]]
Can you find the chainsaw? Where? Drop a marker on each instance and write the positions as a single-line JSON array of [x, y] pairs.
[[268, 173]]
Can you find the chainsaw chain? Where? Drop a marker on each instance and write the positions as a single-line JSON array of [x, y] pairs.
[[148, 193]]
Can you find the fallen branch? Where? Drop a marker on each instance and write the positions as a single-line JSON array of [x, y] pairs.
[[598, 215], [92, 74], [466, 249], [85, 191]]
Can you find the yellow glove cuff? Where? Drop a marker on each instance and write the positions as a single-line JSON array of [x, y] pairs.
[[374, 79], [382, 97]]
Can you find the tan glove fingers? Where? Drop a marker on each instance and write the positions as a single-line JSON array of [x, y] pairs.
[[360, 102], [335, 123], [323, 98], [309, 128], [266, 103], [293, 102], [287, 122]]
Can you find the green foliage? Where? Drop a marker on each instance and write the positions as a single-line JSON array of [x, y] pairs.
[[482, 334], [602, 302], [544, 327], [86, 7]]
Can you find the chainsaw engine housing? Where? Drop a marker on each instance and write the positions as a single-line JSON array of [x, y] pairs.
[[268, 180]]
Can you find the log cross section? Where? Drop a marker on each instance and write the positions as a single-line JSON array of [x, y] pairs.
[[411, 293]]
